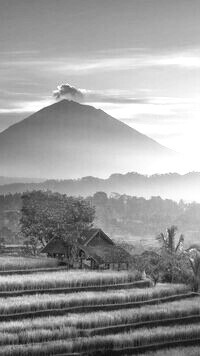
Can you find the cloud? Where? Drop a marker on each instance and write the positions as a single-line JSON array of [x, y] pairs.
[[119, 97], [96, 96], [68, 91], [19, 107], [24, 52], [128, 60], [108, 61]]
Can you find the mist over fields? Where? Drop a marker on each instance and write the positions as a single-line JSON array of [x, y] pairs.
[[168, 186]]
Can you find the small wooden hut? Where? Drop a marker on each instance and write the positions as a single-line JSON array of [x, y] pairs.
[[95, 250]]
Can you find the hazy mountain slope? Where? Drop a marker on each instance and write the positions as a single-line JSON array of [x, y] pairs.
[[172, 186], [68, 139], [13, 180]]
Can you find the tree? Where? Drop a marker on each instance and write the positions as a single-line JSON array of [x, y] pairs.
[[168, 240], [171, 253], [194, 259], [150, 262], [46, 215]]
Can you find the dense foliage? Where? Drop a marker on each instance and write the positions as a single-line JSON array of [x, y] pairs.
[[171, 262], [123, 214], [46, 215], [119, 216], [134, 222]]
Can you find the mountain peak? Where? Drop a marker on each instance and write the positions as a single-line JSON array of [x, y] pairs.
[[65, 102], [69, 140], [72, 105]]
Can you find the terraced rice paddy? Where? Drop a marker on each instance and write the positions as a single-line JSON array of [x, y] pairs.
[[55, 342], [88, 331], [47, 301], [179, 351], [104, 319], [20, 263], [61, 279]]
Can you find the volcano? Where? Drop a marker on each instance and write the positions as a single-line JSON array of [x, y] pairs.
[[71, 140]]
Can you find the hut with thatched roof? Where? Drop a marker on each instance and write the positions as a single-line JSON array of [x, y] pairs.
[[95, 251]]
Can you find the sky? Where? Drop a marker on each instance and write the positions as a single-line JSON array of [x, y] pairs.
[[138, 60]]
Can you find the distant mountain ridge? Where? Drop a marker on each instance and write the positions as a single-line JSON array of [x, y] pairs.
[[172, 186], [69, 140]]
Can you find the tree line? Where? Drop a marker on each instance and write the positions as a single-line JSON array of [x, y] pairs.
[[130, 215], [118, 215]]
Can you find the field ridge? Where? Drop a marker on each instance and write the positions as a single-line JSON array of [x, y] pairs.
[[134, 350], [154, 323], [89, 308], [32, 270], [68, 290]]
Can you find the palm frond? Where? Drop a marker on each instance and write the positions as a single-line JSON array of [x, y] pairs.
[[181, 240], [161, 238]]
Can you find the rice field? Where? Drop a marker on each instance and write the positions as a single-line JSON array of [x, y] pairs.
[[176, 309], [179, 351], [84, 321], [65, 279], [38, 302], [85, 344], [103, 319], [10, 263], [69, 333]]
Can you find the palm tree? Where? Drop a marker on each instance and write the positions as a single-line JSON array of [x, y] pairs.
[[170, 250], [194, 258], [168, 240]]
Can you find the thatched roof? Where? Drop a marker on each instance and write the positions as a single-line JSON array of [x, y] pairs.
[[55, 245], [88, 235], [106, 254]]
